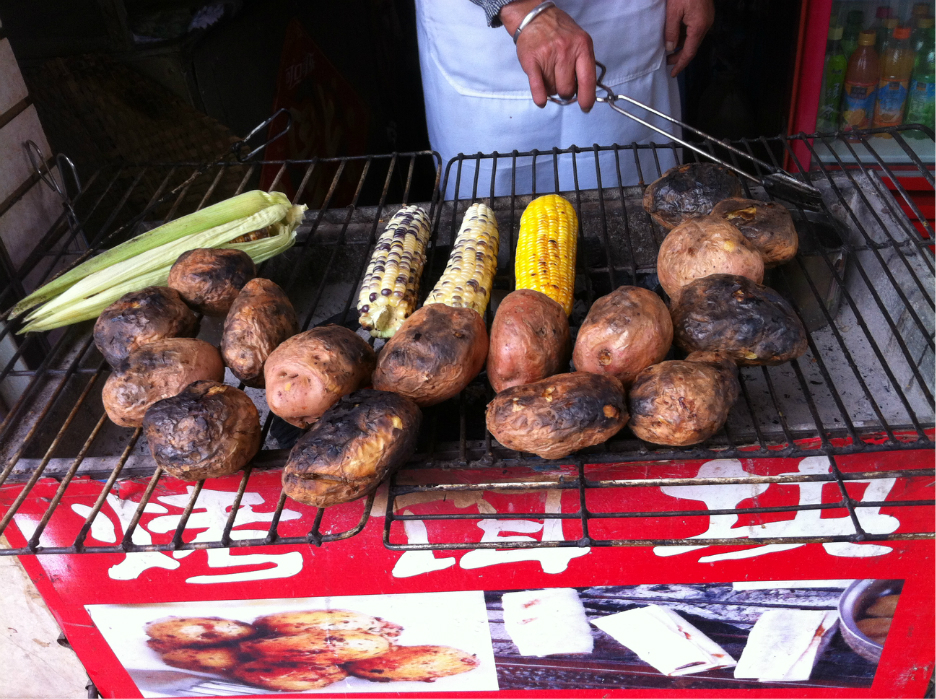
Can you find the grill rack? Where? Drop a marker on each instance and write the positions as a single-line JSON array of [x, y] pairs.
[[858, 211]]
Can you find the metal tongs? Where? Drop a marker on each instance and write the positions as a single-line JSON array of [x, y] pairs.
[[777, 183]]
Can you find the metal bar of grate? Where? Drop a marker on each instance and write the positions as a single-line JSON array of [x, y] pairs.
[[862, 388]]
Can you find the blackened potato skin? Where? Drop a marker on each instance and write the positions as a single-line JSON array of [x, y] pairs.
[[261, 318], [766, 224], [209, 279], [135, 319], [687, 191], [208, 430], [352, 448], [750, 323], [559, 415], [436, 353]]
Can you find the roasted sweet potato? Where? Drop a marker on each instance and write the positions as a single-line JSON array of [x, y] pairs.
[[155, 371], [529, 340], [351, 448], [317, 647], [436, 353], [559, 415], [208, 430], [414, 664], [766, 224], [688, 191], [209, 279], [703, 246], [261, 318], [750, 323], [624, 332], [309, 372], [683, 402], [271, 673], [135, 319]]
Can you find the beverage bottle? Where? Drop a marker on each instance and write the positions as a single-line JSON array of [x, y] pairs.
[[896, 67], [921, 10], [885, 35], [853, 23], [922, 36], [920, 108], [833, 76], [882, 13], [860, 87]]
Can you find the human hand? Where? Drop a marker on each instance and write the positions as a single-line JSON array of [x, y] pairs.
[[556, 54], [697, 17]]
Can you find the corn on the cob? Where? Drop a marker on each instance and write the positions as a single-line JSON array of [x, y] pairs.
[[391, 285], [546, 249], [469, 274]]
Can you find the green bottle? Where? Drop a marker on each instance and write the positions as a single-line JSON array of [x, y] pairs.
[[853, 26], [920, 108], [833, 75]]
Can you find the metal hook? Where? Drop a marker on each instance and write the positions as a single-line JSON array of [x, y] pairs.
[[41, 169], [608, 97], [238, 147]]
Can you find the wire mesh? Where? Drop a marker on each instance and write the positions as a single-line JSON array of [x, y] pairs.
[[862, 284]]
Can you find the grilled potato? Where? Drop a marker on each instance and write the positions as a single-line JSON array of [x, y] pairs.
[[766, 224], [212, 659], [197, 631], [414, 664], [292, 623], [140, 317], [260, 320], [688, 191], [317, 647], [287, 677], [209, 279], [352, 448]]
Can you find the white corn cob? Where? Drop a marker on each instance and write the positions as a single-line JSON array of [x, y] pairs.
[[391, 285], [469, 274]]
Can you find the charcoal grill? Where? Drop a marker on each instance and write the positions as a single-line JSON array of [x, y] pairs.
[[862, 283]]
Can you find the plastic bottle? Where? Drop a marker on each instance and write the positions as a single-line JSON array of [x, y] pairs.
[[920, 107], [885, 35], [922, 36], [896, 68], [853, 24], [882, 13], [861, 80], [921, 10], [833, 76]]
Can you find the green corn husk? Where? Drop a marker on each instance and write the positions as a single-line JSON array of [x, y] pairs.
[[86, 298]]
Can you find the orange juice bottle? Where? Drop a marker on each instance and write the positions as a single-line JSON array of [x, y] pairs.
[[896, 67], [861, 81]]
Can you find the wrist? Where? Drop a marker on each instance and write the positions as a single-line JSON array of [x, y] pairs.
[[513, 13]]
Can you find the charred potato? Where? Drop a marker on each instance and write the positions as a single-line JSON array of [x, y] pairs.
[[683, 402], [318, 647], [557, 416], [624, 332], [703, 246], [309, 372], [766, 224], [209, 430], [287, 677], [436, 353], [197, 631], [209, 279], [750, 323], [529, 340], [140, 317], [261, 318], [688, 191], [352, 448], [156, 371], [292, 623], [414, 664], [217, 659]]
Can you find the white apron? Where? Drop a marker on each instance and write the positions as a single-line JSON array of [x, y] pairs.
[[478, 98]]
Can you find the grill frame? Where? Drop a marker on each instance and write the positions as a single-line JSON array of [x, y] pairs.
[[325, 223]]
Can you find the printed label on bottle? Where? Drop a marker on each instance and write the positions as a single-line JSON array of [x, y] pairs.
[[858, 105], [892, 96], [920, 107]]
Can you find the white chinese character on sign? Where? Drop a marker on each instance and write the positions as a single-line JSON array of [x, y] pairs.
[[805, 522]]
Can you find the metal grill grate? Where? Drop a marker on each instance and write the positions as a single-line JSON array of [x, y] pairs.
[[862, 284]]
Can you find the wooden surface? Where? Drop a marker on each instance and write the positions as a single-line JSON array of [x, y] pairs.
[[724, 614]]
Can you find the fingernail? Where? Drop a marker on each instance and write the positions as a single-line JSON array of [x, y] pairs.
[[670, 46]]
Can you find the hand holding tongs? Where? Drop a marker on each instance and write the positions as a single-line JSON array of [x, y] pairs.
[[778, 183]]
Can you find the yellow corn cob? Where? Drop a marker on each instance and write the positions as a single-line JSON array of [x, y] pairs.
[[546, 249], [469, 274], [391, 285], [259, 234]]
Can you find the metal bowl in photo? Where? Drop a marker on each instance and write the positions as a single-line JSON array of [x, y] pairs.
[[856, 598]]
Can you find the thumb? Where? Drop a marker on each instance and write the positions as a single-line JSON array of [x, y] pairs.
[[673, 23]]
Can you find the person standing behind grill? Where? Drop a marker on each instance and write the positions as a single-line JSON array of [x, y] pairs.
[[478, 86]]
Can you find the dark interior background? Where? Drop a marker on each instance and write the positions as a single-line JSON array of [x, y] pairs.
[[180, 80]]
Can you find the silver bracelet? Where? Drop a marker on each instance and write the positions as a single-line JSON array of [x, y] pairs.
[[531, 15]]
